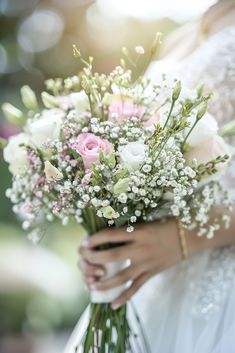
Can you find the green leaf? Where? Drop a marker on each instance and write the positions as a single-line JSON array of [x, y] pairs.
[[112, 160], [121, 173]]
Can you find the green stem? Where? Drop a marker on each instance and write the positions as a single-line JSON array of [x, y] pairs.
[[170, 112], [90, 103], [188, 134]]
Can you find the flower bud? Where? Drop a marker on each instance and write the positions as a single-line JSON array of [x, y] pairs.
[[29, 98], [76, 52], [176, 91], [202, 110], [125, 51], [52, 173], [200, 91], [13, 114], [48, 100]]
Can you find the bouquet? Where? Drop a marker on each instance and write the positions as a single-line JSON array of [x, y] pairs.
[[108, 150]]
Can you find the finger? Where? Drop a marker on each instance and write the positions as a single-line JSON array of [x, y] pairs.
[[130, 273], [108, 236], [125, 296], [103, 256], [89, 280], [91, 270]]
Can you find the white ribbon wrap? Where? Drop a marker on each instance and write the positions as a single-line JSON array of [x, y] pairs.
[[107, 296]]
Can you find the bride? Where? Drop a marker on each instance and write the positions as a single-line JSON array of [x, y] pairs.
[[186, 306]]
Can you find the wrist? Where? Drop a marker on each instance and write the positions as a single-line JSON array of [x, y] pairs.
[[195, 243]]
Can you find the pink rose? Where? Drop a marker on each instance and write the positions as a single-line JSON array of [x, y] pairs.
[[123, 111], [122, 107], [89, 146], [207, 150]]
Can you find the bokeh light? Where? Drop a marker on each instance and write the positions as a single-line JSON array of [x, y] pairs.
[[41, 30]]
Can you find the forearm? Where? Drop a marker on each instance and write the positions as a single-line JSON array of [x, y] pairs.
[[222, 237]]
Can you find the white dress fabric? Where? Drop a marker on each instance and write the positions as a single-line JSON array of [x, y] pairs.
[[190, 308]]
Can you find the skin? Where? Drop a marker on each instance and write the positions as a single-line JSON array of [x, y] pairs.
[[152, 248]]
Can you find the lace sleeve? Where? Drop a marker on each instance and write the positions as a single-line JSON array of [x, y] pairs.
[[214, 65]]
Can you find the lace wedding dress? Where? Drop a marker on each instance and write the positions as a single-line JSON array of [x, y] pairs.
[[191, 307]]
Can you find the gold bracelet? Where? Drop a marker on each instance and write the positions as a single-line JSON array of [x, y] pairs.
[[182, 239]]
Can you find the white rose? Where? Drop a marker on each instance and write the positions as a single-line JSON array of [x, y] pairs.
[[15, 154], [133, 155], [46, 128], [206, 127], [208, 150]]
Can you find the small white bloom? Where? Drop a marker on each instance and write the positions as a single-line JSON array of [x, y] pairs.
[[147, 168], [85, 198], [99, 213], [26, 225], [109, 212], [122, 198], [139, 50]]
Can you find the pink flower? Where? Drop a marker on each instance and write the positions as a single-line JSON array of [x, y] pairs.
[[123, 111], [122, 108], [89, 146]]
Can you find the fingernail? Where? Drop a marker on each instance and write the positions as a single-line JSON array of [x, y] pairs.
[[92, 286], [99, 272], [116, 306]]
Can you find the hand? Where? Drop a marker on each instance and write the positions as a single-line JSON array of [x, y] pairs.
[[152, 248]]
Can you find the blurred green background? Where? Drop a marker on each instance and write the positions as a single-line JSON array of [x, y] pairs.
[[41, 291]]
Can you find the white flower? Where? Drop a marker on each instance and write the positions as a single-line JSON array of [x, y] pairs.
[[206, 127], [133, 155], [80, 102], [15, 154], [208, 150], [122, 198], [109, 212], [46, 128]]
